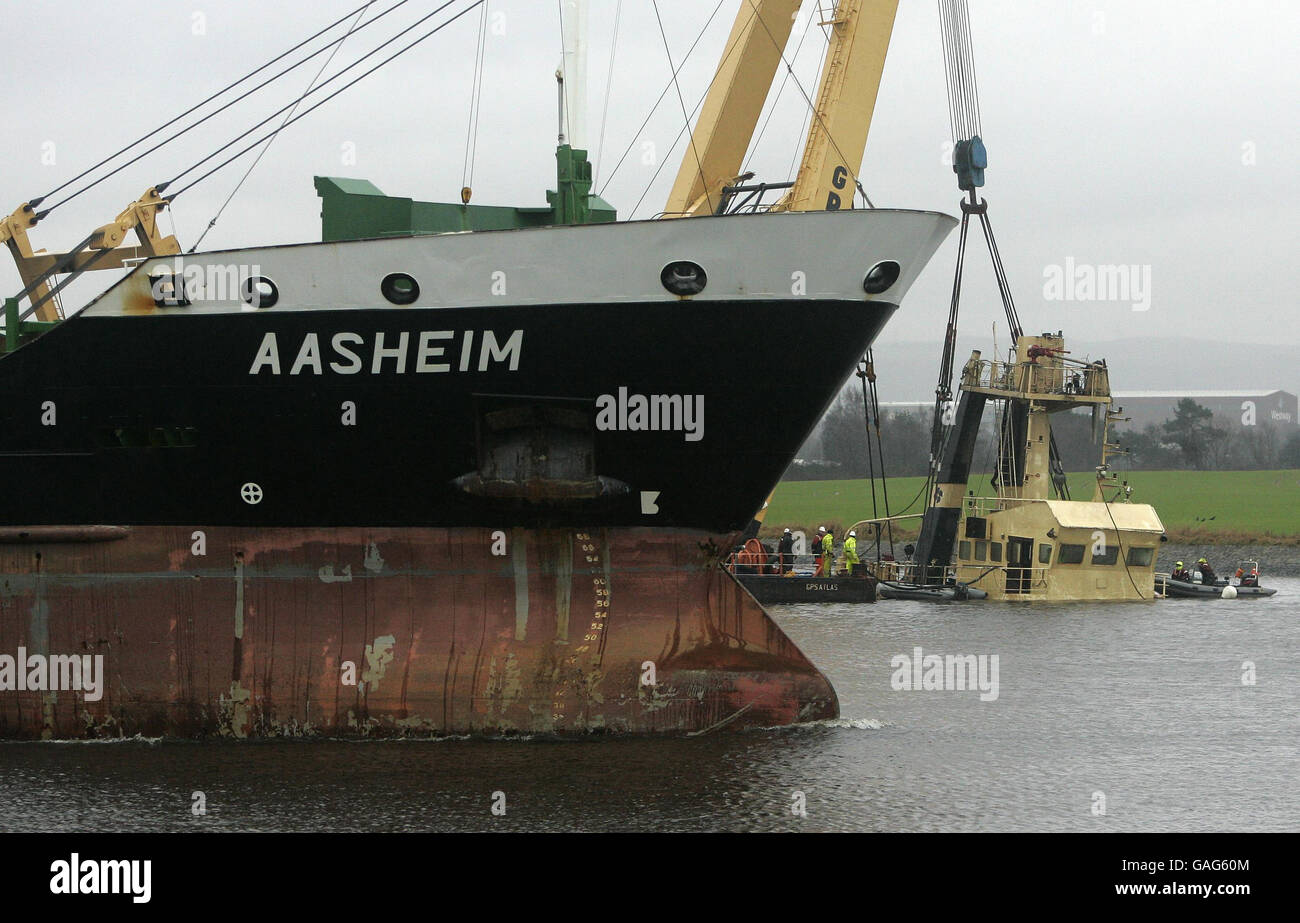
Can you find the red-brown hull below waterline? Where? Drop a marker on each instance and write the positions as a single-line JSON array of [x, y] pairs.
[[355, 632]]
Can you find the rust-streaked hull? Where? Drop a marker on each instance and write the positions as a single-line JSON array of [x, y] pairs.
[[447, 631]]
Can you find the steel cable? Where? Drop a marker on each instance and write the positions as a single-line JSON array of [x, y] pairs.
[[252, 166], [316, 106], [217, 111]]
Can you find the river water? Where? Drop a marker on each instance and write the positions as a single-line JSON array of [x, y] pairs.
[[1131, 717]]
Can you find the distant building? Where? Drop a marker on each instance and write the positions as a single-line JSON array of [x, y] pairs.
[[1245, 408], [925, 408], [1278, 408]]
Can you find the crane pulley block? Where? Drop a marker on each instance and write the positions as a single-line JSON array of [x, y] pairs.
[[969, 161]]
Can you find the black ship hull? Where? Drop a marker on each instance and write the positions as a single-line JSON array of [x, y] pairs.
[[162, 420], [330, 511]]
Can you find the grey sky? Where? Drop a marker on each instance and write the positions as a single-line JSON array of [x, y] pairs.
[[1137, 133]]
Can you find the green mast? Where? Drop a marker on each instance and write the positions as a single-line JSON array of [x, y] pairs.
[[355, 209], [571, 199]]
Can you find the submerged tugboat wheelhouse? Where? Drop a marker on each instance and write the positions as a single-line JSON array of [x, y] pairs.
[[432, 482]]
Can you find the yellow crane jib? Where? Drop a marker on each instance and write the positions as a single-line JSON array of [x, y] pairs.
[[860, 31], [731, 109], [140, 216], [101, 250], [13, 231]]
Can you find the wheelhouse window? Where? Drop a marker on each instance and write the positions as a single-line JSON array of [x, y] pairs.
[[995, 551], [1070, 554], [1108, 556], [1140, 557], [1045, 553], [963, 550], [981, 551]]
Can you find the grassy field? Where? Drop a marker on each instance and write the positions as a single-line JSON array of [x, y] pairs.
[[1194, 505]]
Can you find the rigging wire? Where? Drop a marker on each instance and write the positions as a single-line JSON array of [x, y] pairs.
[[812, 107], [947, 70], [262, 153], [1120, 542], [726, 57], [609, 84], [663, 161], [315, 106], [865, 370], [970, 68], [959, 69], [953, 70], [940, 431], [699, 168], [780, 90], [1004, 284], [871, 414], [218, 111], [753, 150], [35, 202], [798, 148], [476, 93], [911, 503], [65, 262], [171, 217], [649, 115], [880, 451], [964, 120]]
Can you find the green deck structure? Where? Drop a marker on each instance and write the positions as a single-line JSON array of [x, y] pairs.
[[356, 209], [17, 331]]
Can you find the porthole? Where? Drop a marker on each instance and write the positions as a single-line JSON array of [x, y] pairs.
[[880, 277], [167, 288], [400, 288], [684, 278], [259, 292]]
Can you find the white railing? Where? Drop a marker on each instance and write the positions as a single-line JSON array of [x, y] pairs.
[[1023, 581]]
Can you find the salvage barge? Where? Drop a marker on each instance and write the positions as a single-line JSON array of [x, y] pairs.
[[435, 482]]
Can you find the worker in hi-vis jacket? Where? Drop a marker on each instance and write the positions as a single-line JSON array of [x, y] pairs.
[[827, 568], [851, 552]]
